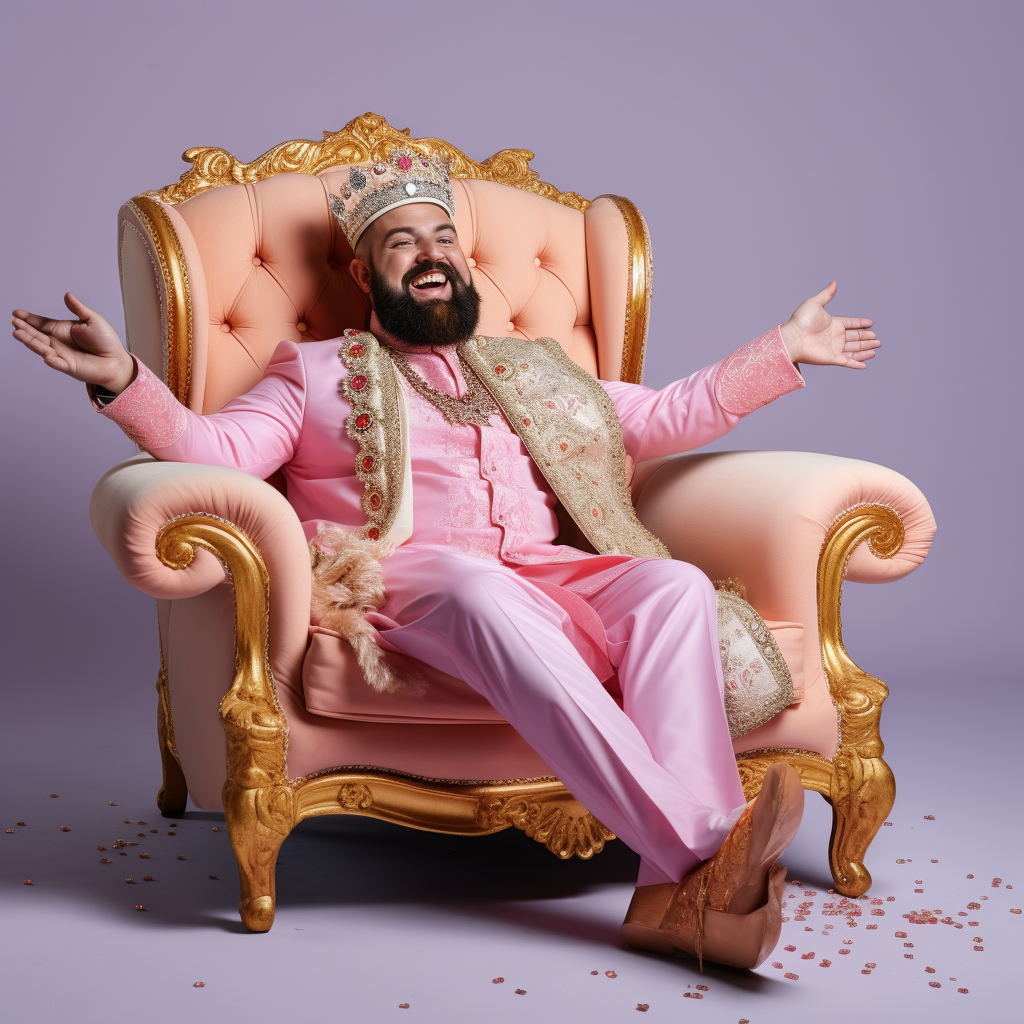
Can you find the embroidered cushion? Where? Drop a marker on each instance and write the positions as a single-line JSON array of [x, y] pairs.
[[758, 684]]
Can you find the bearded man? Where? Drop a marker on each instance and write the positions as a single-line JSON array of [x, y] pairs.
[[457, 452]]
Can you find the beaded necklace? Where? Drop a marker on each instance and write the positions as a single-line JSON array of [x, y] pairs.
[[476, 406]]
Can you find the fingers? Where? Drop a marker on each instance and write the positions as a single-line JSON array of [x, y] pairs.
[[40, 323], [79, 308], [853, 322]]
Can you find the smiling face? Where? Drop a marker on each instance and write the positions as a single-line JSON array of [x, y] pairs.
[[410, 263]]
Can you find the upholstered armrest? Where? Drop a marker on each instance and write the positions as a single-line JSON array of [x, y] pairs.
[[135, 499], [762, 517]]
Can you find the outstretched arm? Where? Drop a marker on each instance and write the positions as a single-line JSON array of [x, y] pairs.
[[706, 405], [256, 432]]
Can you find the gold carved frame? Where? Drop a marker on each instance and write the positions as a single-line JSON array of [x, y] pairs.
[[261, 804]]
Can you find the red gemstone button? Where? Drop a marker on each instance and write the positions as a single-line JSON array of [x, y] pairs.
[[526, 421], [362, 421], [375, 500], [368, 462], [594, 512], [499, 369], [405, 163], [373, 533], [356, 349], [358, 382]]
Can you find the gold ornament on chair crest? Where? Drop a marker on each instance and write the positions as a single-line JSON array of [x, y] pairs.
[[261, 804]]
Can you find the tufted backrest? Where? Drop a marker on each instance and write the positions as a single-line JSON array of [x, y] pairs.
[[213, 284]]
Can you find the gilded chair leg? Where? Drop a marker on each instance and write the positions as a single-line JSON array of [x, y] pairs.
[[258, 821], [173, 793], [863, 791]]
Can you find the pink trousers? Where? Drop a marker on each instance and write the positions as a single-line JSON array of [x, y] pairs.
[[631, 720]]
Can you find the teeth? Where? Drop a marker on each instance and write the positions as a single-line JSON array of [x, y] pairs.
[[434, 277]]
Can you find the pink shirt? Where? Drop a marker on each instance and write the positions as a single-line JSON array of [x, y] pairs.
[[475, 489]]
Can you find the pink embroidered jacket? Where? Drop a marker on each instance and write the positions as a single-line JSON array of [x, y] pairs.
[[475, 489]]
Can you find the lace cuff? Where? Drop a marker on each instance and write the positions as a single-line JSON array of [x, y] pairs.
[[756, 374], [146, 411]]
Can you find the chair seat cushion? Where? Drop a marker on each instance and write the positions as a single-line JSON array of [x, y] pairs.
[[334, 686]]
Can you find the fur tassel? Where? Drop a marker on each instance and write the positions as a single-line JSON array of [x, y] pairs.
[[348, 581]]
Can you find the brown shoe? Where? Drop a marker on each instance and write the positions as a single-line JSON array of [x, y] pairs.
[[730, 908]]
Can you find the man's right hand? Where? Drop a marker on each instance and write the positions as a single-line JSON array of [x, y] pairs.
[[87, 349]]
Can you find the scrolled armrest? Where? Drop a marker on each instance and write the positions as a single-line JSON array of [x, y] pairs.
[[762, 516], [136, 499]]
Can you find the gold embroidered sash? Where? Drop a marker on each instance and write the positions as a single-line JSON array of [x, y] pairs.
[[568, 424]]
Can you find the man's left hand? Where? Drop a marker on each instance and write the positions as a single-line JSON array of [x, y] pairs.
[[814, 336]]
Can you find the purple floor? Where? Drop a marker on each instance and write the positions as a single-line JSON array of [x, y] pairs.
[[371, 916]]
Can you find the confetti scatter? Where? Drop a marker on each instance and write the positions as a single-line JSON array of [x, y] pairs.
[[139, 906], [11, 830], [871, 965], [702, 988], [1015, 910], [996, 882], [806, 956], [180, 857], [213, 876], [28, 881], [929, 970], [790, 949], [199, 984], [929, 817], [825, 963], [777, 965], [500, 981], [935, 984], [144, 856], [901, 935], [111, 802], [791, 976], [610, 974], [843, 952], [403, 1006], [20, 823], [520, 991], [595, 972], [643, 1007], [54, 796], [962, 991], [147, 878], [980, 949], [970, 876]]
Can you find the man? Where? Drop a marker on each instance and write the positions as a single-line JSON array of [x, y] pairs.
[[456, 451]]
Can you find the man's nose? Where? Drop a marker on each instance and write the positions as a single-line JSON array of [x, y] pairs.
[[430, 252]]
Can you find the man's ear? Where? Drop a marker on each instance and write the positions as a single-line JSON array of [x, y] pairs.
[[360, 274]]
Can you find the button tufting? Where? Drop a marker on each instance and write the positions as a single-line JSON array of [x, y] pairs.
[[536, 261], [256, 261], [226, 328], [511, 326], [300, 327], [470, 262]]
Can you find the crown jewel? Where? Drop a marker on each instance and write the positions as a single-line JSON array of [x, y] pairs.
[[373, 189]]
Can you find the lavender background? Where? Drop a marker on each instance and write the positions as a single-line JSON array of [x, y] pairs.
[[772, 147]]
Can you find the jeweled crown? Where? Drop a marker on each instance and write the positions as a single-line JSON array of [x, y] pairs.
[[374, 188]]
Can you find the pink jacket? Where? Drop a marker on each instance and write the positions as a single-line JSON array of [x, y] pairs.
[[474, 488]]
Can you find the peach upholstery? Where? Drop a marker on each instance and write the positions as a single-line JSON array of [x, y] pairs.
[[267, 262], [334, 686], [762, 517]]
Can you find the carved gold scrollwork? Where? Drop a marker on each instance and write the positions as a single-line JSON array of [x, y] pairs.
[[259, 802], [562, 824], [354, 796], [364, 138]]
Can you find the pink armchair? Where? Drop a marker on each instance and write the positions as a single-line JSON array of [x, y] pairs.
[[221, 266]]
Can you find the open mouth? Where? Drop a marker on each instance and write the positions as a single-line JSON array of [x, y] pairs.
[[430, 282]]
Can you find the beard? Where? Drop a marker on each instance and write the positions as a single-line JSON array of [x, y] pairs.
[[434, 322]]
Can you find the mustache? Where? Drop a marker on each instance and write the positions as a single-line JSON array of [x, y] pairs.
[[421, 268]]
